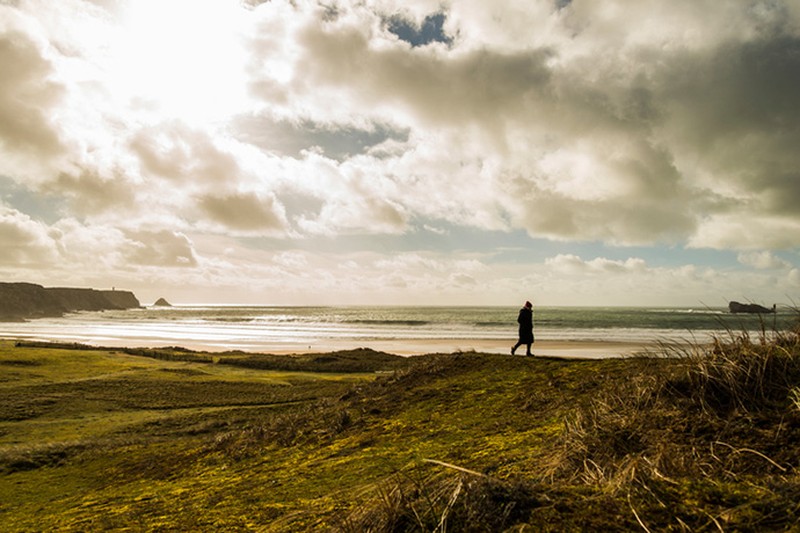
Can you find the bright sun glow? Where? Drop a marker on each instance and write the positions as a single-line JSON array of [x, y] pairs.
[[183, 57]]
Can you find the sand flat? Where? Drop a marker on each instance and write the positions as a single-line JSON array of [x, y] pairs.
[[410, 347], [554, 348], [407, 347]]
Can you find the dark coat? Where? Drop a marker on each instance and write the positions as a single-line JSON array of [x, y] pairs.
[[525, 320]]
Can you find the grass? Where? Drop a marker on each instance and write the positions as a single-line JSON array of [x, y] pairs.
[[142, 440]]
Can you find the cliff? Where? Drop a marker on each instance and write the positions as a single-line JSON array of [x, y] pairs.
[[121, 299], [19, 301]]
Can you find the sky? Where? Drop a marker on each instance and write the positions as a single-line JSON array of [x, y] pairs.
[[461, 152]]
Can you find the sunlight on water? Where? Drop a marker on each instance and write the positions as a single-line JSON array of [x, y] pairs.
[[254, 328]]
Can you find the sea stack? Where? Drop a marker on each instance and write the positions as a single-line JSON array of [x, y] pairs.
[[161, 302], [736, 307]]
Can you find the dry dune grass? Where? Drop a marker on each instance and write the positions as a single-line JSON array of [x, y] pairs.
[[706, 438]]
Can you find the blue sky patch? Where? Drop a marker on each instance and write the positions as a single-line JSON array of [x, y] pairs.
[[430, 31]]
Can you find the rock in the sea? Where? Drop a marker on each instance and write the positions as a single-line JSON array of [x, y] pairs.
[[736, 307], [161, 302]]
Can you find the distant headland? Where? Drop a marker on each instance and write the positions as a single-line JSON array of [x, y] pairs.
[[736, 307], [21, 301]]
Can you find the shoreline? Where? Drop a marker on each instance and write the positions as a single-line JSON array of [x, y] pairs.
[[546, 348], [575, 349]]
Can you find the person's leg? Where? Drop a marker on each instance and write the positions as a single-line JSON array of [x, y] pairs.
[[514, 348], [529, 349]]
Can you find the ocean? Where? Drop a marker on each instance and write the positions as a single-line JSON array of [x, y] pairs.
[[272, 328]]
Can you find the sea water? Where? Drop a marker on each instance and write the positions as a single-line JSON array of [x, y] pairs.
[[254, 328]]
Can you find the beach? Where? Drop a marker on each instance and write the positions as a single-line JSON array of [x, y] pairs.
[[408, 331], [404, 347], [413, 347]]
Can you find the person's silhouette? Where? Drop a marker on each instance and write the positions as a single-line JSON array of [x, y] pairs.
[[525, 320]]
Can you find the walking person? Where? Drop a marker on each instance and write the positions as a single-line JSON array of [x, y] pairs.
[[525, 320]]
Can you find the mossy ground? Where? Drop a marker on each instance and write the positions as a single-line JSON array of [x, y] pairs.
[[182, 441]]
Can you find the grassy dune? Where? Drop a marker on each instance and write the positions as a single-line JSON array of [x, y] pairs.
[[97, 439]]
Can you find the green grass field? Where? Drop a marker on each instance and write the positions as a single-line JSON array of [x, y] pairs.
[[171, 440]]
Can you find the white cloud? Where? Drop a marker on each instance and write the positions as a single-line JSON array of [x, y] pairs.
[[747, 231], [763, 260], [573, 264], [163, 249], [25, 242], [794, 279], [292, 260]]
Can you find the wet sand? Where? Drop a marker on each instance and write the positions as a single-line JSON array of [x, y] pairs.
[[411, 347], [556, 348], [405, 347]]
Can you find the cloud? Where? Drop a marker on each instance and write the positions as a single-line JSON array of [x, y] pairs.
[[746, 231], [556, 119], [289, 138], [162, 248], [576, 122], [732, 118], [475, 88], [357, 215], [187, 156], [248, 212], [103, 249], [291, 260], [28, 94], [92, 193], [794, 279], [599, 141], [24, 241], [573, 264], [763, 260]]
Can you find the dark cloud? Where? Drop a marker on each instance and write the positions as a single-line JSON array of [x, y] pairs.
[[291, 138], [737, 90], [735, 112], [478, 87], [27, 94], [91, 192], [616, 221], [676, 133], [247, 212]]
